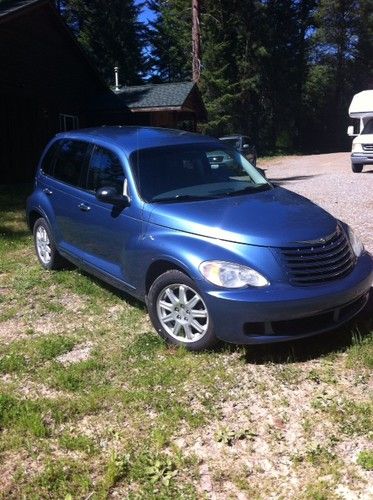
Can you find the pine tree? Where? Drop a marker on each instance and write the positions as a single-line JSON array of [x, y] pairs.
[[169, 38], [111, 34], [336, 41]]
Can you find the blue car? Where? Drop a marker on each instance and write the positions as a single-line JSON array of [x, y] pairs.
[[188, 225]]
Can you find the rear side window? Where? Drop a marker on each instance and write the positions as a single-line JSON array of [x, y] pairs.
[[105, 170], [70, 161], [48, 160]]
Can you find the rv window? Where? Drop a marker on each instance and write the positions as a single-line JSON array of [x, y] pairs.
[[368, 129]]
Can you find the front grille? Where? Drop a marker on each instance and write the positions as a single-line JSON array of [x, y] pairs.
[[368, 147], [319, 262]]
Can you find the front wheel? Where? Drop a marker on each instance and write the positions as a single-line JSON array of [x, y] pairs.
[[179, 313], [45, 246], [357, 167]]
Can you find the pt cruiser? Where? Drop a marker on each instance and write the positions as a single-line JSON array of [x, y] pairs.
[[188, 225]]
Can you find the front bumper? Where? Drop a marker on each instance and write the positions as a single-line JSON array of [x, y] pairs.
[[283, 312], [362, 158]]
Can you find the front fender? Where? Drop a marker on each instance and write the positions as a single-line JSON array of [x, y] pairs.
[[187, 251]]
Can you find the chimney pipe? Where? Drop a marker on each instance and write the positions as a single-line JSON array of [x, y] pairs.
[[116, 69]]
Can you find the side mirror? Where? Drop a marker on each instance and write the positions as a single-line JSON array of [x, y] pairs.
[[110, 195], [351, 132], [246, 146]]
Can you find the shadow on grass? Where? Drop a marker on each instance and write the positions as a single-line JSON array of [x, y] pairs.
[[121, 294], [8, 233], [13, 196], [314, 347]]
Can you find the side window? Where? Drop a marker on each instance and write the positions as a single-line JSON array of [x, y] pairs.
[[48, 160], [70, 161], [105, 170]]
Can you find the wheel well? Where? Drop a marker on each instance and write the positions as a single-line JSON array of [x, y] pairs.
[[32, 218], [157, 268]]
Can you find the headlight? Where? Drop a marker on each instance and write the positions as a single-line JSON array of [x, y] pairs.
[[356, 148], [231, 275], [356, 244]]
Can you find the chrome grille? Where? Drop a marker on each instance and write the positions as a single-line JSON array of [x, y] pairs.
[[320, 261], [368, 147]]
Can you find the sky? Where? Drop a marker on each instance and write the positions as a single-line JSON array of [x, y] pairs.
[[146, 13]]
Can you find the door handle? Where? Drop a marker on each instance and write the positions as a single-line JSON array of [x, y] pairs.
[[84, 207], [47, 191]]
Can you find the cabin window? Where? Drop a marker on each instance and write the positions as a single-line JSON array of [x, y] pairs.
[[68, 122]]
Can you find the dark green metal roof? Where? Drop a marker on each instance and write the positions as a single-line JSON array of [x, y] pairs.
[[162, 95]]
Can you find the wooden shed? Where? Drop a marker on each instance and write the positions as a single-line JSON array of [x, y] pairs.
[[172, 105]]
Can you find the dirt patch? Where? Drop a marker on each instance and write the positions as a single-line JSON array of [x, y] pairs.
[[78, 354]]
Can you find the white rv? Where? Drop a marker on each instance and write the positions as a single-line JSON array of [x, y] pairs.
[[361, 107]]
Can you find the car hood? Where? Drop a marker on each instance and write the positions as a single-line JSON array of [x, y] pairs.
[[276, 217]]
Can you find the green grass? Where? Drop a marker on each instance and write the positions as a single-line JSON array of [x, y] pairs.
[[360, 354], [365, 459], [23, 417], [111, 423]]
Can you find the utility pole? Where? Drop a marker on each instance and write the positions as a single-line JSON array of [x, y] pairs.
[[196, 40]]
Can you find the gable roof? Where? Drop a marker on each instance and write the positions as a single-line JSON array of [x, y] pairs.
[[160, 95], [179, 96]]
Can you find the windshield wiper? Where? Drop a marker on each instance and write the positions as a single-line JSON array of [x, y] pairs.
[[180, 197], [250, 189]]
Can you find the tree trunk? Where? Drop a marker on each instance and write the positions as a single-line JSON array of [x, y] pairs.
[[196, 40]]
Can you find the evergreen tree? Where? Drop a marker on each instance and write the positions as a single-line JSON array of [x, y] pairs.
[[363, 67], [169, 37], [335, 48], [111, 34]]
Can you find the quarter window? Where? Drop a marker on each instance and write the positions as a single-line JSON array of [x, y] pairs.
[[70, 161], [105, 170], [47, 163]]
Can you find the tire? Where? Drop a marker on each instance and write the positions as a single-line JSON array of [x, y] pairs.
[[45, 247], [357, 167], [168, 299]]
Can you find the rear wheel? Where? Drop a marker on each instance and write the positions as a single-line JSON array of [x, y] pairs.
[[179, 313], [45, 247], [357, 167]]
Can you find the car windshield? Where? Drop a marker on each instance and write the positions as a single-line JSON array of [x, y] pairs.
[[232, 142], [192, 172], [368, 129]]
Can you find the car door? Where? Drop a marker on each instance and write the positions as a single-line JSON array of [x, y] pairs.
[[109, 233], [62, 187]]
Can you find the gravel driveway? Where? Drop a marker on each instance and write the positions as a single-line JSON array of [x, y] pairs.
[[328, 181]]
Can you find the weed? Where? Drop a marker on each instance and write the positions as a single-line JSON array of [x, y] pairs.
[[365, 459], [229, 436]]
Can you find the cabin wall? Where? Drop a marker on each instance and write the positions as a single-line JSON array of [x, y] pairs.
[[45, 84]]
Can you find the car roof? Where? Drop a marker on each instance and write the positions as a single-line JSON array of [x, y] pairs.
[[230, 137], [130, 138]]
